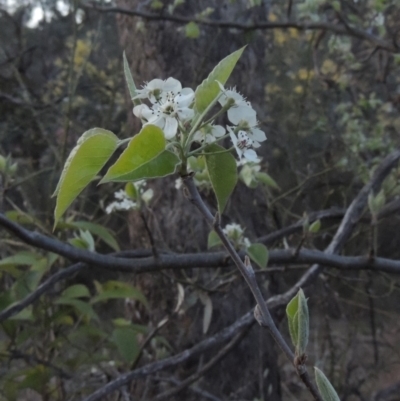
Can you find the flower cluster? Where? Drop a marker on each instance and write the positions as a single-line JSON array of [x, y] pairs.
[[171, 108], [245, 135], [235, 233], [131, 197], [170, 105], [124, 202]]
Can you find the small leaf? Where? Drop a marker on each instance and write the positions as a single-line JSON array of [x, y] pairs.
[[126, 342], [267, 180], [376, 202], [213, 240], [222, 170], [116, 290], [291, 312], [76, 291], [96, 229], [85, 161], [209, 89], [208, 310], [192, 30], [303, 324], [131, 191], [328, 393], [129, 80], [83, 307], [258, 254], [315, 227], [142, 148]]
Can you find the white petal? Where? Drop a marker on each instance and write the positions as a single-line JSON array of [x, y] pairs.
[[257, 135], [185, 98], [250, 155], [172, 85], [138, 110], [217, 131], [185, 113], [242, 113], [198, 136], [155, 84], [170, 128]]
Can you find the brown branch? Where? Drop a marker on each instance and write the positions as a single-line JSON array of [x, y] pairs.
[[302, 26]]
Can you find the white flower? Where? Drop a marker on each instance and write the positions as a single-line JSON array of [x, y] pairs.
[[242, 144], [240, 109], [124, 202], [178, 183], [147, 195], [157, 89], [235, 233], [167, 111], [233, 230], [209, 133]]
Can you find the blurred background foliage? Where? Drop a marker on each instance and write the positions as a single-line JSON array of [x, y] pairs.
[[328, 98]]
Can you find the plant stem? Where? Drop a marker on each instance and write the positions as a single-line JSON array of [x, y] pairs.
[[248, 274]]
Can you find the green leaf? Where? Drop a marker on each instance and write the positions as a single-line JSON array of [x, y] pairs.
[[142, 148], [267, 180], [81, 306], [303, 324], [315, 227], [126, 342], [129, 80], [258, 254], [291, 313], [213, 240], [222, 171], [96, 229], [20, 259], [85, 161], [117, 289], [131, 191], [297, 313], [209, 89], [328, 393], [162, 165], [192, 30], [76, 291], [36, 378]]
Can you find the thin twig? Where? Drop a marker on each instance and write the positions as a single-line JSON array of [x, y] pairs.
[[212, 362], [302, 26]]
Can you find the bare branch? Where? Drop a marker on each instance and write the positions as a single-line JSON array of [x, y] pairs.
[[217, 339], [212, 362], [302, 26], [350, 220]]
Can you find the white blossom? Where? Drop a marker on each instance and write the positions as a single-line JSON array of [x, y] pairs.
[[157, 89], [124, 202], [166, 112], [235, 233], [209, 133], [242, 144]]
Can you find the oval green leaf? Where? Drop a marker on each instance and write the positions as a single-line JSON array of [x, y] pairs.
[[258, 254], [222, 170], [162, 165], [303, 324], [85, 161], [327, 391], [208, 90], [125, 340], [142, 148]]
